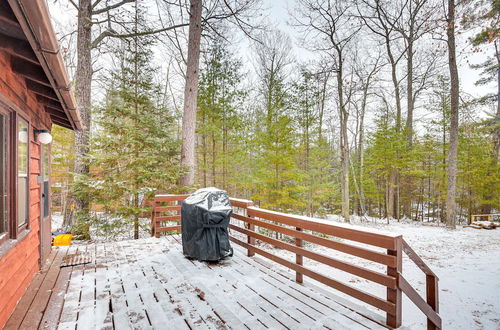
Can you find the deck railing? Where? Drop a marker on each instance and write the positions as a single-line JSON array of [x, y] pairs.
[[378, 248]]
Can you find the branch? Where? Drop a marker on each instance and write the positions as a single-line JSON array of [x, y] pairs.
[[110, 7], [95, 3], [74, 4], [114, 34]]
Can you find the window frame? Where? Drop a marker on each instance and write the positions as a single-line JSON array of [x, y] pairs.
[[45, 151], [20, 228], [14, 114], [5, 236]]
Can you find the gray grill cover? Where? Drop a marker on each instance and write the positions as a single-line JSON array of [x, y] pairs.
[[205, 217]]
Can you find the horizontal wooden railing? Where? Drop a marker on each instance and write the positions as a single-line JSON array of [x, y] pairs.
[[387, 250]]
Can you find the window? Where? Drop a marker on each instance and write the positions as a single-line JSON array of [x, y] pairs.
[[4, 144], [22, 173], [45, 175]]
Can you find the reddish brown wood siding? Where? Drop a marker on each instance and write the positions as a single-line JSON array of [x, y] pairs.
[[19, 264]]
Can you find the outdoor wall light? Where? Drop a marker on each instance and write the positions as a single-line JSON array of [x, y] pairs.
[[44, 137], [23, 136]]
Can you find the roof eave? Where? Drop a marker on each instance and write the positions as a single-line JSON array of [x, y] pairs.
[[34, 18]]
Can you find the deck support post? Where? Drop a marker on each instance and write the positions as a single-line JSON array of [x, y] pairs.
[[298, 259], [432, 291], [395, 295]]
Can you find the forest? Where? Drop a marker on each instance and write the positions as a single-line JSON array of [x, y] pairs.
[[374, 108]]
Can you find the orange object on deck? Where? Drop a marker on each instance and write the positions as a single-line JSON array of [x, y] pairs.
[[62, 240]]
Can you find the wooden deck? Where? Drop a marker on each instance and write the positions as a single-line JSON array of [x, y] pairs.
[[149, 284]]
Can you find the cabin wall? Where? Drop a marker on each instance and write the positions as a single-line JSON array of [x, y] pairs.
[[19, 259]]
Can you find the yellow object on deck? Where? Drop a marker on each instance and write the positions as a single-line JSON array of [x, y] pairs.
[[62, 240]]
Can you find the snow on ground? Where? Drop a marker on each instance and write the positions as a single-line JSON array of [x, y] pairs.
[[57, 221], [466, 260], [107, 230]]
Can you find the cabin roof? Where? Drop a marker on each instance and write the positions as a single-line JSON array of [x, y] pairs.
[[27, 34]]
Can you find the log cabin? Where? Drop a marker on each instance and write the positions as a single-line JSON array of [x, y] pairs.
[[34, 94]]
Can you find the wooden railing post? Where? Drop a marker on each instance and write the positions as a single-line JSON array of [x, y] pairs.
[[432, 291], [250, 239], [395, 295], [156, 224], [153, 220], [298, 259]]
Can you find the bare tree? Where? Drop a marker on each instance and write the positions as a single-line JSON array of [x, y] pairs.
[[380, 21], [330, 28], [454, 103], [414, 23], [191, 94], [366, 76], [273, 55]]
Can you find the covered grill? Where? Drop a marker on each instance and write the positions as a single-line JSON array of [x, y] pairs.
[[205, 217]]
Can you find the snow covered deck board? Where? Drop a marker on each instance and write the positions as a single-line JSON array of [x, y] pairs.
[[149, 284]]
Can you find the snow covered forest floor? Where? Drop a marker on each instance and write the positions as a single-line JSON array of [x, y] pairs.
[[466, 260]]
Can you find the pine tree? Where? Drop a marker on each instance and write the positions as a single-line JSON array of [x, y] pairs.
[[219, 98], [313, 150], [387, 153], [133, 153]]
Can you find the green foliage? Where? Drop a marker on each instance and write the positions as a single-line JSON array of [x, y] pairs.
[[62, 164], [314, 151], [276, 178], [488, 22], [479, 179], [219, 98]]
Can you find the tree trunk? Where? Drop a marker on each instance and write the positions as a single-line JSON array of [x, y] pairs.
[[191, 94], [361, 151], [409, 96], [394, 175], [454, 99], [344, 145], [214, 158], [83, 85], [391, 192], [204, 146]]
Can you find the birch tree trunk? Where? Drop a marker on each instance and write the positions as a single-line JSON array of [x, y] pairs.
[[191, 94], [454, 99]]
